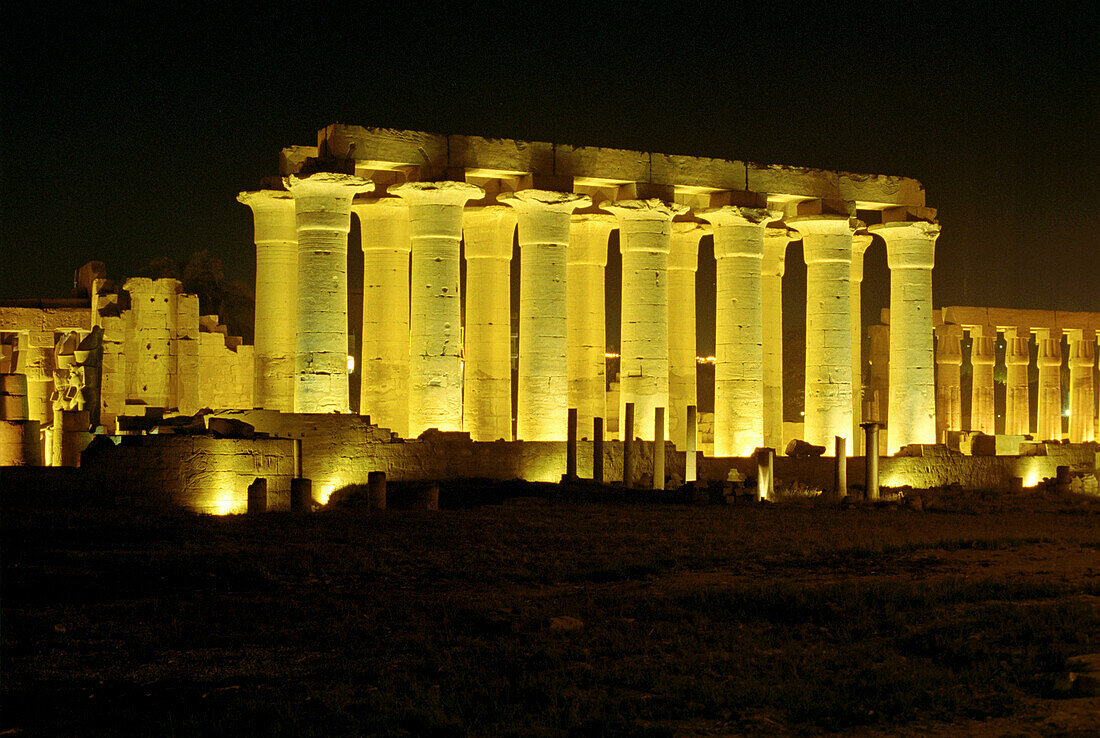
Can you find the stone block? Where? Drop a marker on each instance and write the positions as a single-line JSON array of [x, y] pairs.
[[601, 164], [774, 179], [501, 156], [698, 172]]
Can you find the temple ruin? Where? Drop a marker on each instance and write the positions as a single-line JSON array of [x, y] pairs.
[[436, 361]]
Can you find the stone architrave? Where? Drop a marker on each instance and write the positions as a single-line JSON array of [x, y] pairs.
[[982, 358], [683, 262], [738, 330], [1082, 402], [860, 242], [276, 238], [827, 247], [384, 354], [487, 395], [542, 396], [1049, 416], [1017, 402], [322, 212], [435, 308], [910, 254], [772, 268], [586, 261], [948, 380], [645, 236]]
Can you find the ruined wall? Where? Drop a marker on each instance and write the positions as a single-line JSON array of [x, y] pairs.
[[201, 473], [339, 450]]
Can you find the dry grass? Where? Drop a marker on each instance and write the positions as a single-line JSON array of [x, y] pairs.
[[545, 617]]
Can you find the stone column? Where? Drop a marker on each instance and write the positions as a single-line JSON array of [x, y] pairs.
[[738, 330], [487, 402], [435, 308], [772, 268], [1082, 403], [1017, 403], [1049, 418], [543, 387], [827, 246], [322, 213], [683, 261], [645, 235], [276, 238], [586, 260], [982, 357], [910, 253], [948, 380], [384, 358], [860, 242]]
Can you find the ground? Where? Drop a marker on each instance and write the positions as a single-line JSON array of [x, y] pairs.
[[554, 616]]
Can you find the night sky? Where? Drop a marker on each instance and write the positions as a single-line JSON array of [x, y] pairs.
[[127, 134]]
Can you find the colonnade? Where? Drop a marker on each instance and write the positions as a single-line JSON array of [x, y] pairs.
[[1017, 351], [420, 371]]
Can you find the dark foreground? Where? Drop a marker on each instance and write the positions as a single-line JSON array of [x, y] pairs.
[[539, 617]]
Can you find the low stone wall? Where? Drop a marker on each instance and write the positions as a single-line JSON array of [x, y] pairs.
[[201, 473], [340, 450]]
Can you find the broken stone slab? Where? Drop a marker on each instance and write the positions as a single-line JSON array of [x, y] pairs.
[[800, 449]]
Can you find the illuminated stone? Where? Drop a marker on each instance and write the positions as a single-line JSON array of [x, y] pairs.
[[487, 397], [1017, 401], [435, 312], [910, 254], [982, 359], [542, 397], [827, 246], [948, 380], [738, 331], [860, 242], [683, 261], [772, 268], [586, 261], [1049, 417], [1082, 401], [322, 212], [276, 238], [645, 234], [384, 358]]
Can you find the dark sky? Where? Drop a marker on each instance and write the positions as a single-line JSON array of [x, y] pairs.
[[128, 133]]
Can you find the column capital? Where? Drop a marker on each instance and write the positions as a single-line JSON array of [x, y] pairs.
[[327, 183], [906, 229], [487, 231], [383, 224], [776, 239], [825, 225], [273, 215], [860, 242], [588, 234], [651, 209], [909, 244], [535, 200], [733, 215], [948, 344], [684, 249], [826, 238], [445, 192], [266, 199]]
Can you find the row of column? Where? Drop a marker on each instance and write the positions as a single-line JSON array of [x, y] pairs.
[[301, 343], [983, 357]]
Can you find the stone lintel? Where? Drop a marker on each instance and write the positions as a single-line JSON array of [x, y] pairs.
[[379, 149]]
